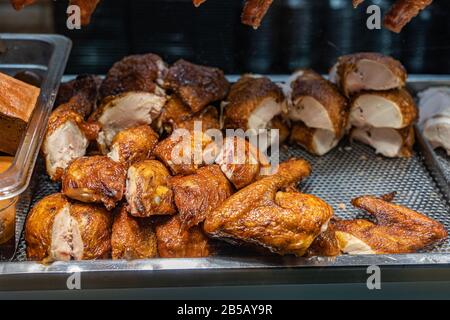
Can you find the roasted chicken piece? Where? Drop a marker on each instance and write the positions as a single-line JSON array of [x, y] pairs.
[[241, 162], [253, 102], [185, 151], [126, 111], [398, 229], [254, 12], [133, 145], [388, 142], [95, 179], [82, 92], [57, 230], [176, 242], [197, 86], [384, 109], [321, 110], [367, 71], [281, 124], [135, 73], [435, 116], [325, 245], [285, 222], [148, 192], [176, 114], [132, 238], [315, 141], [198, 194], [67, 138]]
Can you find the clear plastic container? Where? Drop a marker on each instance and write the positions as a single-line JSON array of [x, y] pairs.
[[45, 56]]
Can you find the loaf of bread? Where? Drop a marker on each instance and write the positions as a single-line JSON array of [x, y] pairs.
[[17, 102]]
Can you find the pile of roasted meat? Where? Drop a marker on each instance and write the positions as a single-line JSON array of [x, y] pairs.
[[401, 13], [115, 145]]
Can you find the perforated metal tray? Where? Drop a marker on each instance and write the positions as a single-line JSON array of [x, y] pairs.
[[422, 183]]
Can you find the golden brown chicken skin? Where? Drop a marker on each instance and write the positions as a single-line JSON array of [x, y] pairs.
[[252, 103], [402, 12], [176, 114], [148, 192], [198, 194], [184, 152], [132, 238], [57, 230], [325, 245], [176, 242], [398, 229], [285, 222], [197, 86], [241, 162], [133, 145], [96, 179], [134, 73]]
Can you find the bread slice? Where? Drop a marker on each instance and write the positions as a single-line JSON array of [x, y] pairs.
[[17, 102]]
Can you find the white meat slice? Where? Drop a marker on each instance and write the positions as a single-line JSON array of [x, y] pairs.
[[437, 131]]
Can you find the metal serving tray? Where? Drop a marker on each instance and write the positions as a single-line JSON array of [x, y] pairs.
[[348, 171]]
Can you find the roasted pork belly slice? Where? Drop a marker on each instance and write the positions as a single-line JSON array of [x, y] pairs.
[[132, 238], [134, 73], [367, 71], [57, 230], [125, 111], [315, 141], [386, 141], [148, 192], [253, 103], [394, 109], [67, 138], [316, 102], [398, 229], [197, 86], [437, 131], [133, 145], [95, 179]]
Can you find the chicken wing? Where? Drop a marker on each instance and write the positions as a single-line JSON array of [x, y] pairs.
[[176, 242], [82, 92], [398, 229], [57, 230], [253, 102], [186, 151], [67, 138], [285, 222], [132, 238], [134, 73], [241, 162], [148, 192], [197, 86], [125, 111], [367, 71], [95, 179], [198, 194], [133, 145]]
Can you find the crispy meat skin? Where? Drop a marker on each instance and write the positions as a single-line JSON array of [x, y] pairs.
[[254, 12], [95, 179], [402, 12], [176, 242], [148, 192], [176, 114], [245, 97], [196, 85], [133, 145], [133, 73], [198, 194], [132, 238], [95, 224], [312, 84], [82, 92], [285, 222], [398, 229], [325, 245], [188, 147]]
